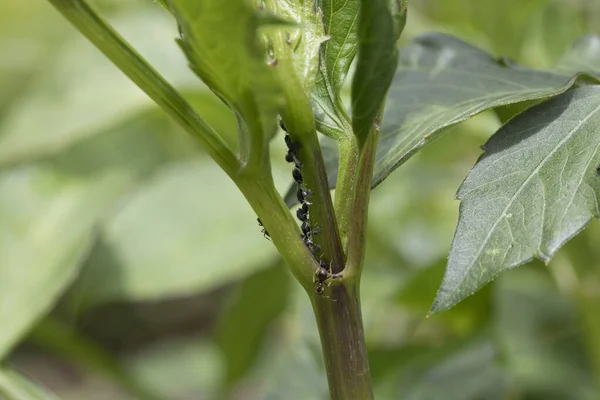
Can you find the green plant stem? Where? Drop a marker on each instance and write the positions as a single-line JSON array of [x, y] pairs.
[[340, 325], [299, 120], [346, 183], [359, 211], [264, 199], [120, 53]]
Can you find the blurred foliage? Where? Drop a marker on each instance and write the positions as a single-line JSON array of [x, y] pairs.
[[130, 267]]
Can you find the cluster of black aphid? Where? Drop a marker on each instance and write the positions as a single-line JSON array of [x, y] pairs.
[[303, 194]]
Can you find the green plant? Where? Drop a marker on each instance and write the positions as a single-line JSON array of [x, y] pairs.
[[508, 216]]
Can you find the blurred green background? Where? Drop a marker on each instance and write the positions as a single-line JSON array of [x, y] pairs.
[[145, 272]]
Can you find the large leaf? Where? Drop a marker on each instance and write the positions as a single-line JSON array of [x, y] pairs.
[[442, 81], [582, 56], [259, 300], [535, 187], [223, 49], [81, 94], [341, 24], [179, 368], [375, 65], [50, 211], [46, 231], [174, 237], [15, 386]]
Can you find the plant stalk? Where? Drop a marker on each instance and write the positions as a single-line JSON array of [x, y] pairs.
[[341, 330], [120, 53], [299, 120], [357, 227], [260, 192]]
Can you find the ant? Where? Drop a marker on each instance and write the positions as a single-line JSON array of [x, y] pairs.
[[264, 230], [322, 274]]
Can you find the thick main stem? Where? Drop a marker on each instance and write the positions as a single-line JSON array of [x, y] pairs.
[[340, 325]]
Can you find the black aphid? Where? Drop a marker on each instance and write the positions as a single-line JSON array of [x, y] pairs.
[[302, 194], [291, 145], [306, 229], [264, 230], [302, 214], [312, 246], [297, 175], [282, 125], [598, 170], [291, 157]]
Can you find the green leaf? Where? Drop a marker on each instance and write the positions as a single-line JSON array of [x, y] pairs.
[[50, 212], [375, 66], [582, 56], [341, 25], [258, 301], [535, 187], [222, 46], [174, 237], [179, 368], [46, 232], [442, 81], [15, 386], [305, 35], [81, 94]]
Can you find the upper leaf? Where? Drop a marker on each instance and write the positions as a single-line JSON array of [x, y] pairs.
[[341, 24], [377, 60], [305, 37], [442, 81], [582, 56], [535, 187], [222, 46]]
